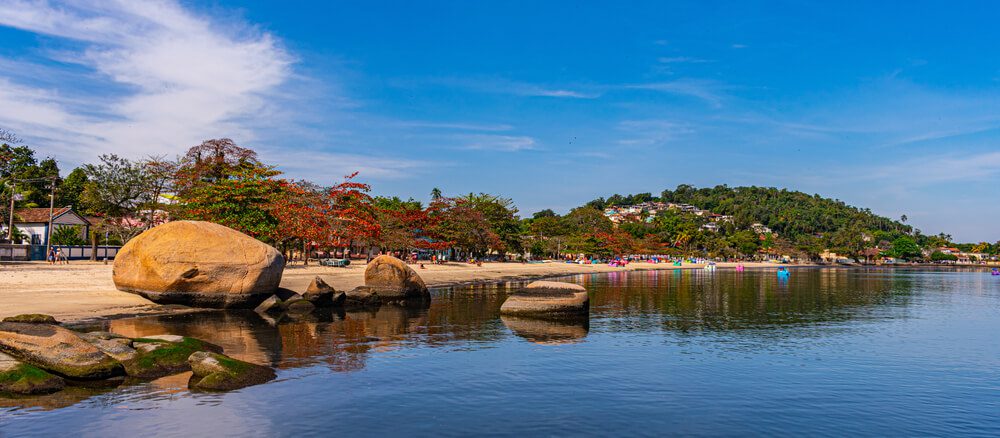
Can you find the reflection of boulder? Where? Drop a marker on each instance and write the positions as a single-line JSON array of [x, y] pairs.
[[548, 331], [547, 298], [394, 280], [69, 396], [199, 264]]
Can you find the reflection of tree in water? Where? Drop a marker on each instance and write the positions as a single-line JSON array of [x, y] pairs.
[[697, 300]]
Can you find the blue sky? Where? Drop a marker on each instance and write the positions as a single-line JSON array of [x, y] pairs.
[[894, 106]]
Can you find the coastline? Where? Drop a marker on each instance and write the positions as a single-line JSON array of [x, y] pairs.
[[83, 292]]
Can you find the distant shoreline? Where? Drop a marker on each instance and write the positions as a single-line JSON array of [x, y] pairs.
[[83, 292]]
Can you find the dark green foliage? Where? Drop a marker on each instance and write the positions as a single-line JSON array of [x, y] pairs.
[[938, 256]]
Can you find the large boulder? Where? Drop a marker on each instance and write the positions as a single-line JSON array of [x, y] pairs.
[[547, 299], [216, 372], [198, 264], [57, 350], [394, 281]]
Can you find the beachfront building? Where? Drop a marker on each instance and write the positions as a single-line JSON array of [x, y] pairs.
[[34, 223]]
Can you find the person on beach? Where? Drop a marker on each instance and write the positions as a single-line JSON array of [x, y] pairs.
[[51, 256], [60, 258]]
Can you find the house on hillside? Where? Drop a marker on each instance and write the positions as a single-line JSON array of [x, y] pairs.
[[34, 223]]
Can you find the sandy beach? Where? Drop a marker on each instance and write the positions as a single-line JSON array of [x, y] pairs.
[[84, 291]]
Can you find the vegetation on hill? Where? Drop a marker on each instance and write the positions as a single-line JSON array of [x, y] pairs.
[[222, 182]]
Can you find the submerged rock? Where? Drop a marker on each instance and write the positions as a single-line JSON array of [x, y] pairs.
[[198, 264], [32, 318], [21, 378], [547, 299], [216, 372], [394, 281], [158, 357], [57, 350]]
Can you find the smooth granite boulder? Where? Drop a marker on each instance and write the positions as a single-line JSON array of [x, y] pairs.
[[17, 377], [199, 264], [547, 299], [216, 372], [394, 281], [57, 350]]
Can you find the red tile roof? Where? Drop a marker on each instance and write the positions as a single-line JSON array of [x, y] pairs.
[[37, 215]]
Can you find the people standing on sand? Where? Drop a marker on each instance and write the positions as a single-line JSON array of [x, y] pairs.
[[60, 258], [51, 257]]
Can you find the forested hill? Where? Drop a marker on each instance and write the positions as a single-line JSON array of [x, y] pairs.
[[806, 220]]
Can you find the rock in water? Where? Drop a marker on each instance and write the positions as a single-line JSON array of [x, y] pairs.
[[198, 264], [547, 299], [20, 378], [394, 280], [119, 348], [362, 296], [216, 372], [164, 355], [271, 303], [323, 295], [57, 350]]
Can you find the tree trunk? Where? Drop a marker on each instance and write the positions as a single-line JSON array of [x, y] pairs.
[[93, 246], [305, 253]]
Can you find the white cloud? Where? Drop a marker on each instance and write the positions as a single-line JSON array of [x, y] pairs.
[[168, 78], [706, 90], [681, 60], [651, 132], [500, 143]]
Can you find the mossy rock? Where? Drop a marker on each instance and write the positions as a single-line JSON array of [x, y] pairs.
[[57, 350], [26, 379], [158, 358], [32, 318], [217, 372]]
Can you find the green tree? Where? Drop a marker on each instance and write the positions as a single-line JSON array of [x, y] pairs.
[[905, 248], [71, 188], [68, 235], [116, 191]]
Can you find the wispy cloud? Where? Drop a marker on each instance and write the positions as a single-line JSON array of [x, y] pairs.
[[651, 132], [168, 78], [458, 126], [507, 86], [499, 143], [681, 60], [707, 90], [327, 167]]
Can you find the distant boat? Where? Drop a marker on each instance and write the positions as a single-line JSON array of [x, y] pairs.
[[710, 266]]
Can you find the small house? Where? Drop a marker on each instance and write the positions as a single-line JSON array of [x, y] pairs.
[[34, 223]]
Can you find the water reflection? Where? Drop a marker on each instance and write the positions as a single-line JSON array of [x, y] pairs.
[[468, 318], [548, 331]]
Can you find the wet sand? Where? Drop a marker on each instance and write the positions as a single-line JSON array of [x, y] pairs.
[[83, 291]]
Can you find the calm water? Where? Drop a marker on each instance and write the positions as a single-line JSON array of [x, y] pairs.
[[828, 352]]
